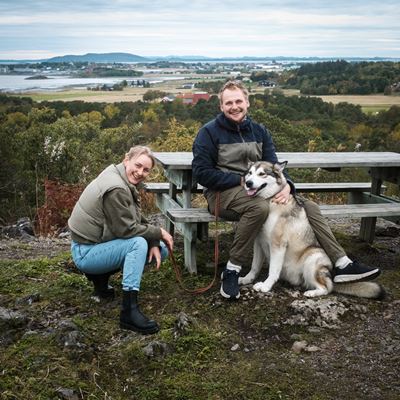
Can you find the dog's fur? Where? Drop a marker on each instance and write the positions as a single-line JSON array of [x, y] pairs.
[[289, 243]]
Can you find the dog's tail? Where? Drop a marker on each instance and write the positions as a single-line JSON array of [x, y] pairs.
[[368, 290]]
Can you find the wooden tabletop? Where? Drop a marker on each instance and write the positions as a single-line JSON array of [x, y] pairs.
[[183, 160]]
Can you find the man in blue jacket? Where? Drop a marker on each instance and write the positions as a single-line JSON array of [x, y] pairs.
[[222, 151]]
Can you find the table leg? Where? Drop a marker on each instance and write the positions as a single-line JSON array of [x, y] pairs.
[[172, 194], [189, 241], [367, 228]]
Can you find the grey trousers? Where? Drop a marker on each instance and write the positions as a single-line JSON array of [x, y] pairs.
[[252, 213]]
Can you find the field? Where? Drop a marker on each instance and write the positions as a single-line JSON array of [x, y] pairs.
[[369, 103]]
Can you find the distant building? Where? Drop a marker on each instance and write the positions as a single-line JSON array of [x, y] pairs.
[[264, 83], [188, 86], [193, 98], [167, 99]]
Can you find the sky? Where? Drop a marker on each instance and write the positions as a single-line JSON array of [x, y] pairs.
[[37, 29]]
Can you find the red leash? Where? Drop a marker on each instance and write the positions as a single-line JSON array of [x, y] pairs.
[[177, 269]]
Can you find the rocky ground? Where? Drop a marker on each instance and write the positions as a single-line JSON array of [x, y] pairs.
[[279, 345]]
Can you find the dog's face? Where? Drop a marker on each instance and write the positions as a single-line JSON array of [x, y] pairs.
[[265, 179]]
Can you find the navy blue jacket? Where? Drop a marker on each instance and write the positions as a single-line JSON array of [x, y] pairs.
[[223, 150]]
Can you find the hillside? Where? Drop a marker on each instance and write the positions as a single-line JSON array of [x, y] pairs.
[[99, 58], [58, 342]]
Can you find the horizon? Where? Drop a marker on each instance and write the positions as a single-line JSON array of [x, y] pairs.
[[42, 29], [199, 58]]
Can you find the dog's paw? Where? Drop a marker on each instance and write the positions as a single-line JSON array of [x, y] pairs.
[[262, 287], [245, 280], [315, 293]]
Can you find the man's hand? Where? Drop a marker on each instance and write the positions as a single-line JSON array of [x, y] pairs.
[[167, 239], [283, 196]]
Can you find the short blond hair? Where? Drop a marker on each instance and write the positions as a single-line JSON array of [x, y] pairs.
[[137, 151], [232, 85]]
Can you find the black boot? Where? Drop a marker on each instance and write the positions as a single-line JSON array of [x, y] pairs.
[[132, 318], [101, 287]]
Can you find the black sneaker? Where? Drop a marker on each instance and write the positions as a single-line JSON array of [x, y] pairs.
[[355, 272], [230, 284]]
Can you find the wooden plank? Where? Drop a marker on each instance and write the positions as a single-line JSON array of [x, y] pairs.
[[163, 187], [183, 160], [194, 215], [361, 210]]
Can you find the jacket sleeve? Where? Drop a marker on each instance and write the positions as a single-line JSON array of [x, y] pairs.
[[204, 164], [124, 219], [269, 154]]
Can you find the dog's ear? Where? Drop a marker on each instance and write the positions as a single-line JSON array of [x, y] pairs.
[[280, 166]]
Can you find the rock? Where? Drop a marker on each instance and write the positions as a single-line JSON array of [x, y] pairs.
[[71, 340], [67, 394], [32, 298], [183, 323], [12, 325], [12, 319], [322, 312], [295, 336], [22, 229], [299, 346], [312, 349], [235, 347], [156, 349], [64, 235], [69, 336]]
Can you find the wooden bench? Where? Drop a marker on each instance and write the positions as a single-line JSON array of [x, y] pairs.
[[201, 215], [163, 187], [193, 222]]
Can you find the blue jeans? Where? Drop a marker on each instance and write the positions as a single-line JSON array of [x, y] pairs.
[[128, 254]]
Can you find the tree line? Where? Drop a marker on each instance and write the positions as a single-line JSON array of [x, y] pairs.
[[72, 142], [342, 77]]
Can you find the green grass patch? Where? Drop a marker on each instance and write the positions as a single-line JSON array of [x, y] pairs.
[[200, 362], [374, 109], [63, 95]]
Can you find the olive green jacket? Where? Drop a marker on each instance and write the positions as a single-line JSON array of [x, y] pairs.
[[109, 208]]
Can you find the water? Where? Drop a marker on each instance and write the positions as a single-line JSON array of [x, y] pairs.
[[18, 83]]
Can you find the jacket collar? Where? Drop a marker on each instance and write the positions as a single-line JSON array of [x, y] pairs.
[[233, 126], [133, 188]]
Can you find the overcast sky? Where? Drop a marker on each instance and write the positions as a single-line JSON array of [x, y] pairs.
[[32, 29]]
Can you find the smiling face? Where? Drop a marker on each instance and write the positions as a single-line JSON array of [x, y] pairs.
[[138, 168], [234, 104]]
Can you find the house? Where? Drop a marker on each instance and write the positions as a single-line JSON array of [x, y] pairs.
[[193, 98], [168, 99], [188, 86], [267, 83]]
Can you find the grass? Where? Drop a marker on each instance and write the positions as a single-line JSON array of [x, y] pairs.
[[65, 95], [374, 109], [199, 363]]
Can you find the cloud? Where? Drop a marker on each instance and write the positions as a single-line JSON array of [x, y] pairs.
[[207, 27]]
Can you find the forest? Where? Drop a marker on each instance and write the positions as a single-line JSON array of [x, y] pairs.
[[342, 77], [71, 142]]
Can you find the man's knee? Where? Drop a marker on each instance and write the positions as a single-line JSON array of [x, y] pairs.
[[261, 209]]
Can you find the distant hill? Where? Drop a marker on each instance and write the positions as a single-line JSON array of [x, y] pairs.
[[99, 58], [133, 58]]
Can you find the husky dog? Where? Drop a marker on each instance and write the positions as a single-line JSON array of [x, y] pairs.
[[289, 242]]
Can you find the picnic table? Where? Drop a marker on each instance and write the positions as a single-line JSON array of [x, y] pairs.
[[366, 200]]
